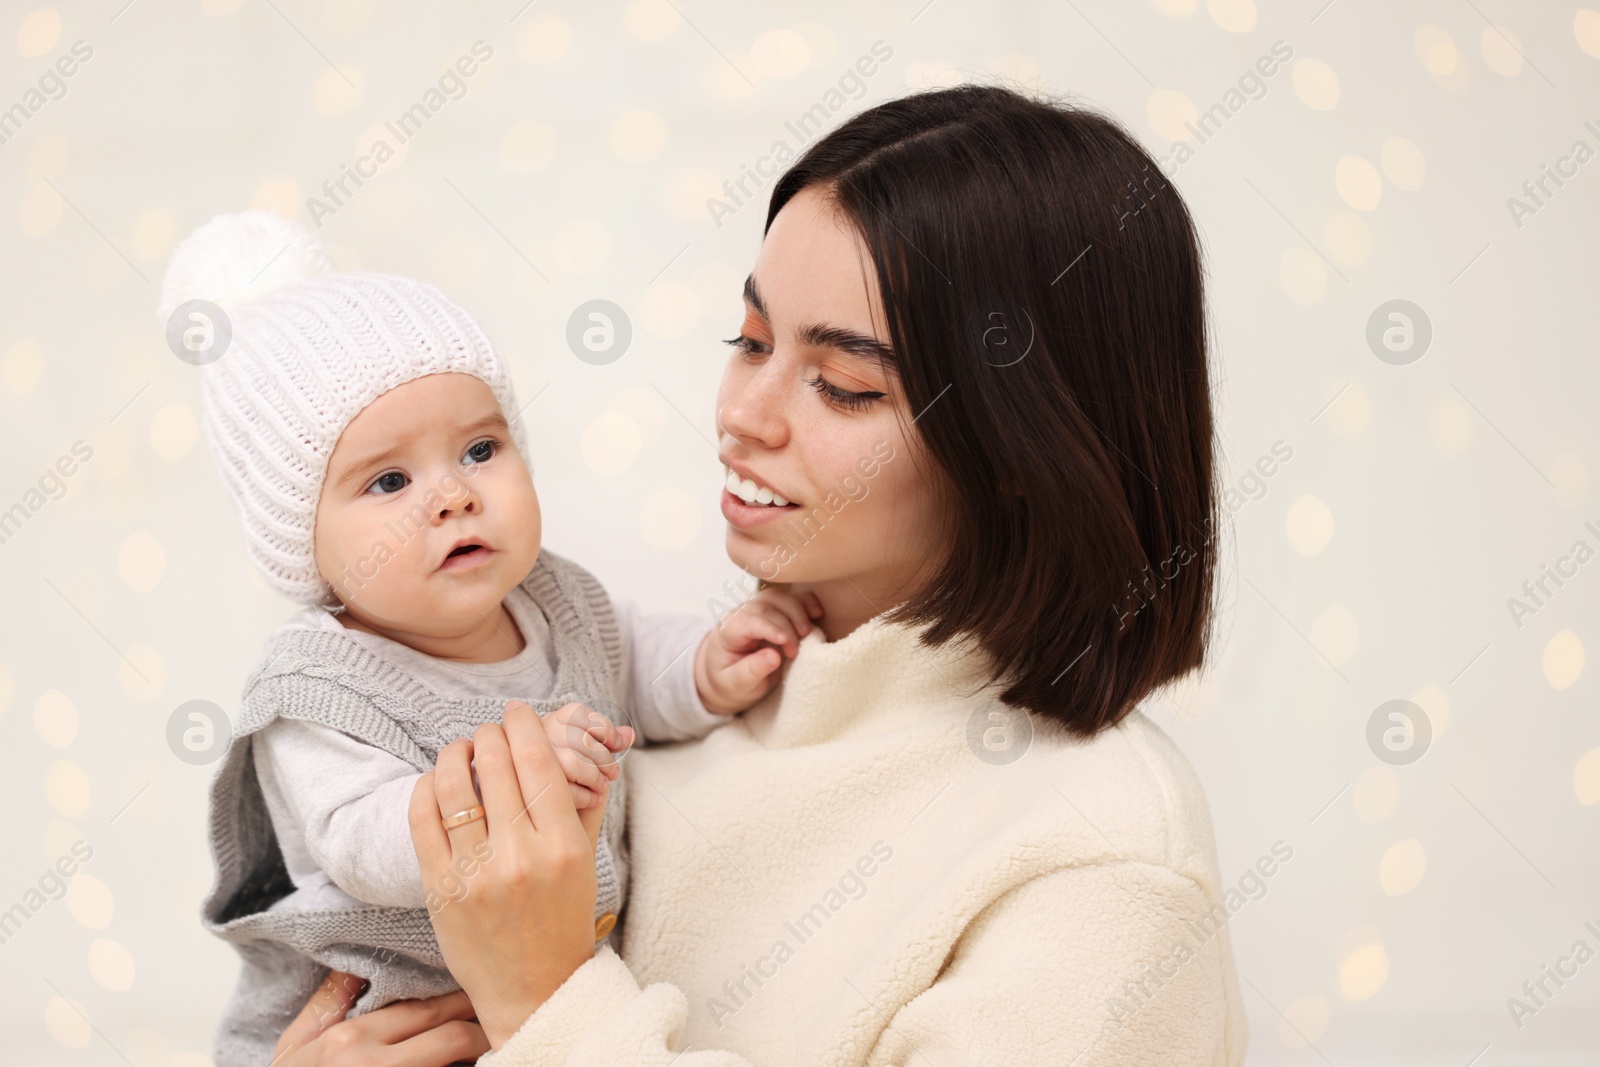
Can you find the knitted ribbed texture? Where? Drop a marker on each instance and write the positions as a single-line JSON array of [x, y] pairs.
[[305, 358], [328, 678]]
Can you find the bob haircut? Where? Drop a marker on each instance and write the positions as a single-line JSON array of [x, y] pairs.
[[1043, 288]]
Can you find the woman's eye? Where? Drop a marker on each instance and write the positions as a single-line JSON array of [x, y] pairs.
[[843, 397], [389, 482], [747, 345], [482, 452]]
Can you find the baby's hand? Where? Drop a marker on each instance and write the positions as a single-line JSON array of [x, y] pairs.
[[737, 664], [586, 744]]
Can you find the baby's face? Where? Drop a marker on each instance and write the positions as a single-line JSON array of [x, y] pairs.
[[428, 515]]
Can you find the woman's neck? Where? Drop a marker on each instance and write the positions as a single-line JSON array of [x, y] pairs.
[[850, 601], [844, 609]]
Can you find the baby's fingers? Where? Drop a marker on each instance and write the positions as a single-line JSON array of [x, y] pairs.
[[583, 797], [580, 771], [790, 606], [572, 734], [752, 675], [757, 622]]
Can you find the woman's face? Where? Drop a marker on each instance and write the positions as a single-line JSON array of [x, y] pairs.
[[807, 412]]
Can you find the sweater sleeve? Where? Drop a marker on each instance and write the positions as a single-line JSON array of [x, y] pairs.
[[1094, 966], [658, 653], [349, 802]]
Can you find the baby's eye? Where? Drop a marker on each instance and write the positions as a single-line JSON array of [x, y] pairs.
[[389, 482], [483, 451]]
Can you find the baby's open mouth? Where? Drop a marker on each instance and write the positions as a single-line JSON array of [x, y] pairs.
[[466, 554]]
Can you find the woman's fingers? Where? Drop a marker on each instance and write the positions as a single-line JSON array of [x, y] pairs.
[[497, 777], [405, 1019], [538, 771], [328, 1005], [428, 835], [453, 1042], [452, 781], [591, 818]]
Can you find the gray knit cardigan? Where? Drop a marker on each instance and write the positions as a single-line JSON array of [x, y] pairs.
[[328, 678]]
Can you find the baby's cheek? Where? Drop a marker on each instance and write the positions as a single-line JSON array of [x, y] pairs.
[[521, 525]]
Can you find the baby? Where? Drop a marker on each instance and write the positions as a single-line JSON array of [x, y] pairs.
[[366, 430]]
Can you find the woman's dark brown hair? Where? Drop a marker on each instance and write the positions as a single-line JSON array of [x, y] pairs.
[[1043, 289]]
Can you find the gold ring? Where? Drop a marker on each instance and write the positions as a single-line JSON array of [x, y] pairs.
[[461, 818]]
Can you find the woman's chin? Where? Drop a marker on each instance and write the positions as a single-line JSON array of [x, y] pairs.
[[752, 554]]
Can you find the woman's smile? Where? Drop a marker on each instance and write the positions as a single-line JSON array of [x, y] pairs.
[[746, 516]]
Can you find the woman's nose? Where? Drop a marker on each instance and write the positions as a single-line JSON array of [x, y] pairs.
[[754, 411]]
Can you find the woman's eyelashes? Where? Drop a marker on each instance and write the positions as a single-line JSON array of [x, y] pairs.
[[843, 398], [749, 346]]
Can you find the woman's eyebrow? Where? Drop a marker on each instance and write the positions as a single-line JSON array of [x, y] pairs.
[[822, 335], [753, 296], [849, 341]]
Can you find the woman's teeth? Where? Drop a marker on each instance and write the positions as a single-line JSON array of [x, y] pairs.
[[750, 493]]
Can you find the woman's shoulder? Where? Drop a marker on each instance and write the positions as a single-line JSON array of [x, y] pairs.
[[1137, 792]]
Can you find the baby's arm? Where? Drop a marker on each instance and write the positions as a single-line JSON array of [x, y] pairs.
[[658, 654], [685, 676], [349, 802]]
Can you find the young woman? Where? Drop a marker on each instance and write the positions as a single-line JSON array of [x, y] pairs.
[[973, 362]]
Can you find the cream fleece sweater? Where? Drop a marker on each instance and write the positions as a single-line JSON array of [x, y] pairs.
[[835, 878]]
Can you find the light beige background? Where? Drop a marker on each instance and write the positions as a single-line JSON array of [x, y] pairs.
[[1377, 165]]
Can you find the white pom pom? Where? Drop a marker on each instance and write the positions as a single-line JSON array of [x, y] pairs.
[[236, 258]]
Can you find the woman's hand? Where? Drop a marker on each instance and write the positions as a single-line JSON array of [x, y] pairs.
[[526, 919], [410, 1033]]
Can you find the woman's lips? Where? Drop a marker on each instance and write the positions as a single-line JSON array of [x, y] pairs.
[[748, 516]]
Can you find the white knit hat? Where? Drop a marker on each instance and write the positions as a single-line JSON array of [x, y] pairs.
[[309, 350]]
